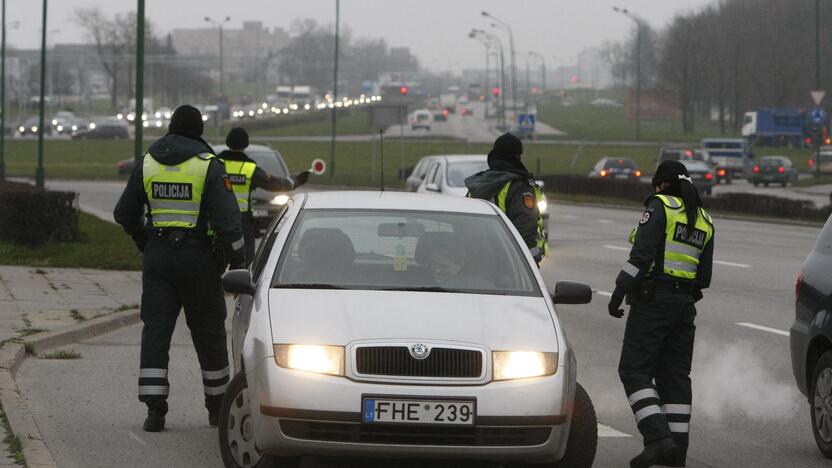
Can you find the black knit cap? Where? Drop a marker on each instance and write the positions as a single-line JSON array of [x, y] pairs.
[[237, 139], [669, 171], [506, 148], [186, 121]]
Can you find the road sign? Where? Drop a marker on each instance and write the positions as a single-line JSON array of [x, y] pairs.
[[318, 167], [526, 122], [817, 96], [818, 115]]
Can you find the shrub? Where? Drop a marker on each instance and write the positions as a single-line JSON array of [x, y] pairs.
[[33, 217]]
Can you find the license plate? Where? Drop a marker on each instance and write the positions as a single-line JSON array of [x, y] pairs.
[[260, 213], [622, 176], [406, 411]]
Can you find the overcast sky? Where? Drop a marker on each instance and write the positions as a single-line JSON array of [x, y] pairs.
[[435, 30]]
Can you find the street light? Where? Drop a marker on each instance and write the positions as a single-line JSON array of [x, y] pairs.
[[219, 25], [636, 20], [15, 25], [503, 24], [542, 70], [487, 45], [39, 172], [502, 97]]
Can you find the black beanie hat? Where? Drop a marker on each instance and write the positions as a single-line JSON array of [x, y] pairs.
[[237, 139], [670, 171], [506, 147], [186, 121]]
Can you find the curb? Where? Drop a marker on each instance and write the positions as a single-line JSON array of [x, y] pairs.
[[21, 421]]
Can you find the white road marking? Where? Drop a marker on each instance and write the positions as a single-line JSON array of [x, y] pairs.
[[732, 264], [615, 247], [139, 439], [605, 221], [763, 328], [603, 293], [100, 214], [606, 431]]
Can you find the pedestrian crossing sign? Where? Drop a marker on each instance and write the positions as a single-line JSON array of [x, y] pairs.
[[526, 122]]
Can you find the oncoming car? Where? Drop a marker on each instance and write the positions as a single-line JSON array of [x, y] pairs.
[[376, 325]]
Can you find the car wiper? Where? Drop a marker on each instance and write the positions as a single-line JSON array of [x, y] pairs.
[[309, 286], [420, 289]]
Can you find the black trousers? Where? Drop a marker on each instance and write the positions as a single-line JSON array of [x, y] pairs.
[[249, 236], [176, 278], [655, 365]]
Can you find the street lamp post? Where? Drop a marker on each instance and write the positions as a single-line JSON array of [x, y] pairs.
[[219, 25], [39, 172], [501, 109], [487, 58], [138, 121], [335, 92], [542, 70], [507, 27], [637, 21], [2, 91]]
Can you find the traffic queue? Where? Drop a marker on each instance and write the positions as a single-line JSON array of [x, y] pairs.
[[318, 365]]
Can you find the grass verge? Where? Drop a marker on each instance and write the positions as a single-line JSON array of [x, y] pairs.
[[103, 246], [13, 444], [61, 354]]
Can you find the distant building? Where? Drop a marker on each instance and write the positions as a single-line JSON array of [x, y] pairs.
[[249, 53]]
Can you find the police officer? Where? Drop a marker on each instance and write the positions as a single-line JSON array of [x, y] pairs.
[[670, 264], [183, 187], [246, 176], [508, 184]]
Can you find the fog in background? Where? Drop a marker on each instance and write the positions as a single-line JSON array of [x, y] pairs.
[[435, 30]]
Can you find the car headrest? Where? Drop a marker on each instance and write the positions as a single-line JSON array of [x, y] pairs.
[[430, 241], [328, 246]]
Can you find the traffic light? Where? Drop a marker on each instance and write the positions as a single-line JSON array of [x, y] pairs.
[[404, 90], [495, 91]]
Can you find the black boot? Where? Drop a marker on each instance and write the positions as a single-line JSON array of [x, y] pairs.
[[662, 449], [678, 460], [214, 417], [155, 422]]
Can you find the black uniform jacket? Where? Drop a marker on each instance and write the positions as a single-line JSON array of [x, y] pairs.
[[649, 245], [218, 202]]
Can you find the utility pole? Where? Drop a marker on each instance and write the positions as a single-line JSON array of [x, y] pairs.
[[637, 21], [138, 122], [334, 91], [39, 172], [219, 25], [819, 130], [3, 92], [511, 51]]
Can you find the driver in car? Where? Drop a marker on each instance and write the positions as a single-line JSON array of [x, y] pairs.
[[446, 262]]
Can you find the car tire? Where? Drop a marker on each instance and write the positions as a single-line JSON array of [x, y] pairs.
[[822, 415], [236, 432]]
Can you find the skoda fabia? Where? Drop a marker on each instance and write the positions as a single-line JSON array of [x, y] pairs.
[[397, 325]]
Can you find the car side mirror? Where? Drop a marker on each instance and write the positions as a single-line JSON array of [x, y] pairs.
[[572, 292], [432, 187], [238, 282]]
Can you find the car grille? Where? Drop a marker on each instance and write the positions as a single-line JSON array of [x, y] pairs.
[[415, 435], [397, 361]]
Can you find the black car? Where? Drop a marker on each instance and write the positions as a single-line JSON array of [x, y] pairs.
[[702, 175], [615, 168], [811, 337], [30, 127], [773, 170], [106, 130]]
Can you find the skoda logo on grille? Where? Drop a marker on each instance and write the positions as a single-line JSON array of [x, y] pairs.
[[419, 351]]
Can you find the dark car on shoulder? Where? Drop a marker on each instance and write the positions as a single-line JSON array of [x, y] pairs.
[[811, 337], [112, 129], [773, 170], [615, 168]]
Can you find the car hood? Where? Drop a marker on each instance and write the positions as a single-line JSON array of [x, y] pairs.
[[339, 317], [456, 191]]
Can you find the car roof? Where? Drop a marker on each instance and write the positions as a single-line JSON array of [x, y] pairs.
[[454, 158], [260, 148], [404, 201]]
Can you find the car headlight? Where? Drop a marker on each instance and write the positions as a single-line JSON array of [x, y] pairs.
[[310, 358], [542, 206], [92, 126], [280, 200], [523, 364]]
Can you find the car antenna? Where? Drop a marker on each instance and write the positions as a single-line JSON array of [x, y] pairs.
[[381, 155]]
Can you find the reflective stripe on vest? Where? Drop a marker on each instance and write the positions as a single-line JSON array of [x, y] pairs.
[[175, 192], [541, 246], [241, 173], [683, 246]]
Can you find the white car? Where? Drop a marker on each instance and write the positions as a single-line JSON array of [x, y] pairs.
[[421, 119], [393, 324], [417, 175]]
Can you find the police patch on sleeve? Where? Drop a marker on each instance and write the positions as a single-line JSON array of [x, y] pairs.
[[227, 182], [644, 217], [528, 200]]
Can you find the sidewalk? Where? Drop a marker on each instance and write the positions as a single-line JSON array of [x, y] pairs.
[[48, 299]]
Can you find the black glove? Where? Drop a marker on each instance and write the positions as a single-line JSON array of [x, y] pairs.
[[614, 306], [237, 259], [140, 240], [301, 178]]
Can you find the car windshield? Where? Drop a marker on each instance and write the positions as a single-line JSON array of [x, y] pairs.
[[269, 162], [722, 144], [459, 171], [404, 251], [772, 162], [697, 166], [619, 164]]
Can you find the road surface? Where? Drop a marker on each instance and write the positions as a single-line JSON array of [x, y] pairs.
[[747, 411]]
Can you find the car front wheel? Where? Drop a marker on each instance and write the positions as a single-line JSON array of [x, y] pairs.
[[236, 431], [821, 404]]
